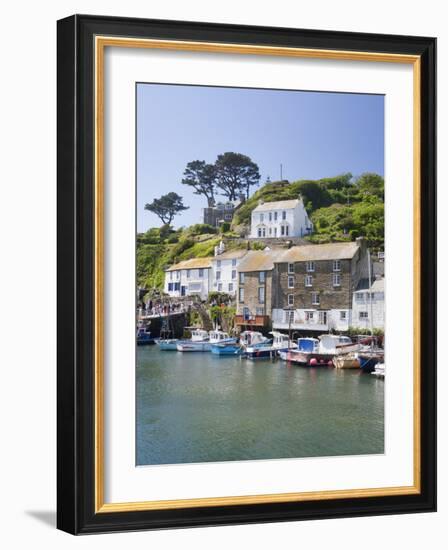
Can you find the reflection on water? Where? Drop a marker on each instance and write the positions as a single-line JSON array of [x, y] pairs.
[[197, 407]]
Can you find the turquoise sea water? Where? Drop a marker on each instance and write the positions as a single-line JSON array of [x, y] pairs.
[[198, 407]]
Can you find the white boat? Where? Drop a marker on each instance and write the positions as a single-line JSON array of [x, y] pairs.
[[271, 348], [218, 337], [251, 338], [379, 370], [313, 352], [168, 344], [200, 341]]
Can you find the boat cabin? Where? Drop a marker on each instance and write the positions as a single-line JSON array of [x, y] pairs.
[[217, 336], [199, 335]]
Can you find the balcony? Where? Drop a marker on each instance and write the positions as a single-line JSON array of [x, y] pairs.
[[254, 320], [298, 321]]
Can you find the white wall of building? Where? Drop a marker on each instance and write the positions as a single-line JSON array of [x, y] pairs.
[[362, 311], [312, 319], [186, 282], [224, 275], [280, 222]]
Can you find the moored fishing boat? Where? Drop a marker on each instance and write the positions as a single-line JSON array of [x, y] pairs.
[[227, 348], [270, 348], [199, 342], [369, 359], [346, 361], [313, 352], [379, 370], [168, 344], [251, 338], [144, 337]]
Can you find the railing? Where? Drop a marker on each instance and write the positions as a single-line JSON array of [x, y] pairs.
[[255, 320]]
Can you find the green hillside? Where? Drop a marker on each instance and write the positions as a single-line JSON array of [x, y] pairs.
[[341, 208]]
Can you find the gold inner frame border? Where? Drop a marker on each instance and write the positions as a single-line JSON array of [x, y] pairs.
[[101, 42]]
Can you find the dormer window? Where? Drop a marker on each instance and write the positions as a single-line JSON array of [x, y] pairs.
[[310, 267]]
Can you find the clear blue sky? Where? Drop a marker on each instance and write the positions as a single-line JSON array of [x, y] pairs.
[[312, 134]]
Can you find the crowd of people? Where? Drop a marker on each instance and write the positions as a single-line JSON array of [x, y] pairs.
[[152, 308]]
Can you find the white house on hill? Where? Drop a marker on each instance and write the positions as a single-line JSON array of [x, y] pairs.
[[280, 219], [189, 277]]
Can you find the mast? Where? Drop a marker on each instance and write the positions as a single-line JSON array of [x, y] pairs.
[[370, 293]]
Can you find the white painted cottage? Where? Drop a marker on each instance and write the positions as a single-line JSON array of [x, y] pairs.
[[368, 306], [225, 268], [189, 277], [280, 219]]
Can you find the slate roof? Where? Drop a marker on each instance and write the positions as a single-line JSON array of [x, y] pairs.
[[279, 205], [194, 263]]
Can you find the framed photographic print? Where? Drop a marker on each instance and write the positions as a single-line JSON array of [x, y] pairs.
[[246, 266]]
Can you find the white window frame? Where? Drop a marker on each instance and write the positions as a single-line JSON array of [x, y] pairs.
[[218, 275], [233, 274], [291, 268], [234, 262], [363, 315], [310, 267], [336, 279], [241, 278], [262, 277], [343, 316], [291, 281], [219, 287], [336, 265], [230, 287], [284, 215], [290, 299], [261, 295], [201, 272], [308, 280], [315, 299]]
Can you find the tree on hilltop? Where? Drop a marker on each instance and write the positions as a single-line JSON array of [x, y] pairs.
[[166, 207], [202, 177], [236, 173]]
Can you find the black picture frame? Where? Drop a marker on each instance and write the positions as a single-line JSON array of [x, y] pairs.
[[76, 271]]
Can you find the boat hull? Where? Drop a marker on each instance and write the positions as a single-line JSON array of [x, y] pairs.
[[309, 359], [341, 362], [368, 361], [194, 346], [168, 345], [226, 349]]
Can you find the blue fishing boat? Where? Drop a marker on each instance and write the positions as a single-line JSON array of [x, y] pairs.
[[144, 337], [231, 347], [200, 341], [168, 344]]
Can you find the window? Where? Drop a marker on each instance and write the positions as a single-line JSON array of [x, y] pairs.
[[228, 217], [343, 315], [308, 280], [290, 281], [310, 266], [336, 279], [284, 215], [233, 273], [259, 232], [290, 299], [241, 295], [286, 230], [359, 296], [230, 287], [171, 275], [275, 216], [178, 275], [262, 218], [218, 275], [170, 287], [270, 216], [261, 277], [336, 265], [188, 273], [270, 231], [290, 268], [219, 287], [289, 317], [218, 264], [363, 315], [322, 317], [261, 295], [315, 298], [234, 262], [282, 229], [309, 315], [201, 273], [176, 286], [275, 231], [241, 278], [259, 311]]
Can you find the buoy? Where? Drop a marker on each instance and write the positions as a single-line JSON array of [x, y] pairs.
[[313, 361]]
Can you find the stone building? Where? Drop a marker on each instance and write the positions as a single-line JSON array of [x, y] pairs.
[[220, 213], [255, 288], [314, 285], [280, 219]]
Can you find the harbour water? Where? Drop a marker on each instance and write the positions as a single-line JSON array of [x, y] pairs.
[[198, 407]]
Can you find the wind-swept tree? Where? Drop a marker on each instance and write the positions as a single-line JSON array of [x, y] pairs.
[[202, 177], [236, 174], [166, 207]]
